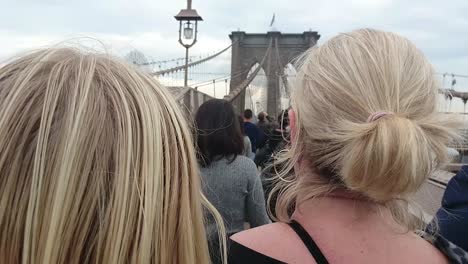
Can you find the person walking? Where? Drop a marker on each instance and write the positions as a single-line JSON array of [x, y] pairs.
[[97, 165], [251, 129], [365, 136], [230, 180], [452, 217], [247, 145]]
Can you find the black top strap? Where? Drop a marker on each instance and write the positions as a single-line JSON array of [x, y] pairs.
[[308, 242]]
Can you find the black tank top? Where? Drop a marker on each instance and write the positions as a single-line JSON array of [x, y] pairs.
[[239, 253], [309, 242]]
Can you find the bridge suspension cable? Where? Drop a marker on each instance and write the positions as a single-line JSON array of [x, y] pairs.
[[222, 78], [178, 68], [242, 86], [452, 75], [165, 61], [282, 75]]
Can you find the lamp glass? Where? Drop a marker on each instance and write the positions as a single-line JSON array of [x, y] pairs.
[[188, 30]]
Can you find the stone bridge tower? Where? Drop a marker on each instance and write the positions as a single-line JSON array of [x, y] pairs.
[[249, 49]]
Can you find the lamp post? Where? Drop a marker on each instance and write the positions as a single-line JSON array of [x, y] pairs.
[[188, 30]]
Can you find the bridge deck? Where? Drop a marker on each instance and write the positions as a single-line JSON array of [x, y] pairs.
[[430, 195]]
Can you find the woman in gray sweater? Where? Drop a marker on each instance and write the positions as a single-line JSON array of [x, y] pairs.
[[230, 180]]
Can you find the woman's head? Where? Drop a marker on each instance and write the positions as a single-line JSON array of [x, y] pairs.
[[218, 132], [262, 117], [96, 165], [343, 82]]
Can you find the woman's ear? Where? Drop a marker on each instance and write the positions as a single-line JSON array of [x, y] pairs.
[[292, 124]]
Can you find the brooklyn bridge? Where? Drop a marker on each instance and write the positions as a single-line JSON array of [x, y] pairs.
[[260, 78]]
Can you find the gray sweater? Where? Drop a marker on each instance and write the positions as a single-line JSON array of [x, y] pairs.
[[235, 189]]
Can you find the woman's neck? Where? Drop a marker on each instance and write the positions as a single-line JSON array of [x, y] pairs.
[[341, 210], [341, 207]]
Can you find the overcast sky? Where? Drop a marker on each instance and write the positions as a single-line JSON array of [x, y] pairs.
[[439, 28]]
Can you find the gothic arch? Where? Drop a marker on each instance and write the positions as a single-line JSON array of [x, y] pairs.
[[248, 49]]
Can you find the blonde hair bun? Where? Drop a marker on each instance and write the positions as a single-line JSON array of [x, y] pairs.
[[390, 157], [367, 120], [348, 80]]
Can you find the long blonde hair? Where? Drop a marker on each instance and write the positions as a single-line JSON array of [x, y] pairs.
[[339, 85], [96, 165]]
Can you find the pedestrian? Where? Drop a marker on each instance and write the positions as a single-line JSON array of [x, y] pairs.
[[365, 135], [230, 180], [452, 217], [247, 145], [264, 128], [251, 129], [97, 165]]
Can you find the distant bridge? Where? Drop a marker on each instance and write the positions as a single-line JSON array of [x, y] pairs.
[[266, 55], [252, 55]]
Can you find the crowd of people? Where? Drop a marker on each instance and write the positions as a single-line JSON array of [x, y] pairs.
[[98, 164]]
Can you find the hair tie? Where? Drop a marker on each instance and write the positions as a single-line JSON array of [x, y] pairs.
[[377, 115]]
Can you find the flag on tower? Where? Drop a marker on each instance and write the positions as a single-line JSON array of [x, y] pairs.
[[272, 20]]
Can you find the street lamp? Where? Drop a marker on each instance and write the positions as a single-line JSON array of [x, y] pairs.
[[188, 29]]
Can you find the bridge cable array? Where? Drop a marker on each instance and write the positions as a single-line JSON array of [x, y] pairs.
[[179, 68], [242, 86]]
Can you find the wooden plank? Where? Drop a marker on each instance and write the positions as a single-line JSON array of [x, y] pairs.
[[442, 176]]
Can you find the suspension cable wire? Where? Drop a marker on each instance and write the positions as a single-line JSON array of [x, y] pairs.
[[224, 74], [208, 82], [226, 86], [452, 74], [203, 70], [281, 74], [193, 63], [164, 61], [250, 95], [226, 77], [241, 87], [198, 72], [171, 78], [214, 89]]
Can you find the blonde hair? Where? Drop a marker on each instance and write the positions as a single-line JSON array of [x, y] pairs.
[[96, 165], [339, 86]]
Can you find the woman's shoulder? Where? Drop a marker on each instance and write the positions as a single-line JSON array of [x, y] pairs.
[[229, 161], [454, 253], [264, 232], [244, 163], [240, 254], [247, 143], [269, 241], [240, 168]]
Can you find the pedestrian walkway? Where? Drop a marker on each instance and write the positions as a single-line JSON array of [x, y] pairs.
[[430, 195]]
